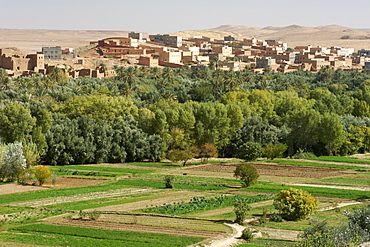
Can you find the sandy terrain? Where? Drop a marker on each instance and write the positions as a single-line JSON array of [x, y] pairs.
[[30, 41], [294, 35]]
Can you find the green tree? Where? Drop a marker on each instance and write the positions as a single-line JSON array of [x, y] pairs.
[[249, 151], [13, 162], [296, 204], [177, 155], [241, 210], [248, 174], [16, 123], [272, 151], [330, 130]]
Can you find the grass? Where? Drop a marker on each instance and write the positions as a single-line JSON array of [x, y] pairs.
[[261, 242], [198, 204], [342, 159], [79, 236], [316, 191], [177, 185], [105, 169], [185, 178], [102, 202], [347, 181], [313, 164]]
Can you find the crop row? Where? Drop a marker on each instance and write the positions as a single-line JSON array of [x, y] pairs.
[[201, 203], [79, 236]]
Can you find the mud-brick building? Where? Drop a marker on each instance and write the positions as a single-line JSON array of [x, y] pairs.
[[12, 60]]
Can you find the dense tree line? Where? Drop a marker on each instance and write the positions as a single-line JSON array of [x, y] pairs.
[[144, 113]]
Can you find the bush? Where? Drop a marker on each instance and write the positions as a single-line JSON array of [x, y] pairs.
[[42, 174], [241, 209], [247, 174], [276, 217], [207, 151], [177, 155], [262, 219], [296, 204], [272, 151], [169, 181], [249, 151], [247, 235], [13, 162], [301, 154]]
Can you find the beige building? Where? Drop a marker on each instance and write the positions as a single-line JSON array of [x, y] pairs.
[[11, 60], [170, 56], [119, 41], [150, 61]]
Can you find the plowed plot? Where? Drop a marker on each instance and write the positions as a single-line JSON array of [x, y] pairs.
[[69, 182], [274, 170], [137, 228]]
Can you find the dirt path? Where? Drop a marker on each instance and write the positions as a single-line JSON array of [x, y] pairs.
[[340, 205], [80, 197], [176, 196], [334, 187], [232, 240]]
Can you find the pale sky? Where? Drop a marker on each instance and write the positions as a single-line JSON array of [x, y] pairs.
[[165, 16]]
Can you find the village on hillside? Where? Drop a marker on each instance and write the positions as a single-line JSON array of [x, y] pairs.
[[163, 50]]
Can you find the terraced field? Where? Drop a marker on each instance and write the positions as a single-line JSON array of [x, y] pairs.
[[121, 194]]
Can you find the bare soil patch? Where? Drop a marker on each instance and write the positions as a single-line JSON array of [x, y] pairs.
[[16, 188], [274, 170], [70, 182], [137, 228]]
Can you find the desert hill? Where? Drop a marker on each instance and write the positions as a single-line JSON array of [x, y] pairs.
[[332, 35], [28, 40]]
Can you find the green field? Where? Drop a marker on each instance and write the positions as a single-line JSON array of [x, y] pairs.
[[79, 236], [23, 223]]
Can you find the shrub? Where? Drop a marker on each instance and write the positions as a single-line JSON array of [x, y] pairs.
[[168, 180], [301, 154], [249, 151], [26, 176], [272, 151], [241, 209], [247, 174], [247, 235], [13, 162], [262, 219], [42, 174], [177, 155], [276, 217], [207, 151], [296, 204]]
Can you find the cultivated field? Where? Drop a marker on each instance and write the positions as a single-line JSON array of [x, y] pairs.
[[127, 204]]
